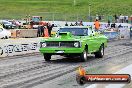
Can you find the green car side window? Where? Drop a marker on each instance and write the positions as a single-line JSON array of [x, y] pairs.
[[75, 31]]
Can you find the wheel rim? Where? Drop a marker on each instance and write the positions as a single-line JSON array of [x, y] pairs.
[[102, 51], [85, 55]]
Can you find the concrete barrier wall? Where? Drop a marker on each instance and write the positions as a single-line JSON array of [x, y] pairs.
[[12, 47], [28, 33], [24, 33], [112, 35], [124, 33]]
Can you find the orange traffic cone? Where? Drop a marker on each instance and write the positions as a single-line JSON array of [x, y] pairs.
[[46, 33]]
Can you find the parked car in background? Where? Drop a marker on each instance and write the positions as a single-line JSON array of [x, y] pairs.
[[17, 24], [8, 25], [35, 26], [4, 34]]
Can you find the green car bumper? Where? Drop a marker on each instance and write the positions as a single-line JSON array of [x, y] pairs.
[[61, 50]]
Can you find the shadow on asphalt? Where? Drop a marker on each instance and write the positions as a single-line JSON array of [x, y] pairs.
[[72, 59]]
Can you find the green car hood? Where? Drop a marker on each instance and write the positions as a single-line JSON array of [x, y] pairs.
[[65, 36]]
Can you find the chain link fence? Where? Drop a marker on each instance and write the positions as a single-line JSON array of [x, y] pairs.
[[75, 17], [56, 16], [69, 17]]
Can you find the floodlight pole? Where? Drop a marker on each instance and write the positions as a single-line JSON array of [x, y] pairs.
[[74, 2], [89, 10]]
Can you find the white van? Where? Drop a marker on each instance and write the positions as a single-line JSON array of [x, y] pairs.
[[4, 34]]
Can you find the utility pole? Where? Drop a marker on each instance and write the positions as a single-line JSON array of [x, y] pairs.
[[90, 17], [74, 2], [89, 9]]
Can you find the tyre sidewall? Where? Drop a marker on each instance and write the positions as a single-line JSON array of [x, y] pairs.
[[84, 56], [102, 50], [100, 53], [47, 57]]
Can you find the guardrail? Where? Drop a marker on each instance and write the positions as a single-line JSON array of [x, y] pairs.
[[112, 35], [117, 35], [122, 33]]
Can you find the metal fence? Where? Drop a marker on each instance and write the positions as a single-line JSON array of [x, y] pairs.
[[56, 16], [68, 17], [76, 17]]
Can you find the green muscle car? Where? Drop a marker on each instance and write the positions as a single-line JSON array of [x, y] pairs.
[[74, 41]]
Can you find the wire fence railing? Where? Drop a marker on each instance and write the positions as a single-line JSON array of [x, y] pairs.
[[85, 17], [54, 16]]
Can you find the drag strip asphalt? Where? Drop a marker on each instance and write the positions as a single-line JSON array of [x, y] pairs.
[[33, 72]]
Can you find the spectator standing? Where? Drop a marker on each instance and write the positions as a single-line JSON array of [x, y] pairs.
[[49, 27], [18, 24], [100, 17], [113, 25], [66, 24], [42, 30], [76, 24], [71, 24], [108, 24], [121, 18], [39, 31], [81, 23], [116, 18], [126, 19], [97, 25]]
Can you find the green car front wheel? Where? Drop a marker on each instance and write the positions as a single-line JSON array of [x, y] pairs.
[[84, 56], [47, 57]]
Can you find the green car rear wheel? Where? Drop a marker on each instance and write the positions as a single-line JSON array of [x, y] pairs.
[[100, 53]]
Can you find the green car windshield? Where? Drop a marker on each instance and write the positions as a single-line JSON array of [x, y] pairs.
[[75, 31]]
